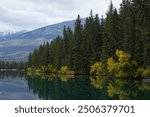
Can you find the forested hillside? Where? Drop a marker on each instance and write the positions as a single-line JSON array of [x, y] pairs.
[[10, 65], [127, 29]]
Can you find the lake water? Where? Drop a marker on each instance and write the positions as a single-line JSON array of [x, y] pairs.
[[50, 87]]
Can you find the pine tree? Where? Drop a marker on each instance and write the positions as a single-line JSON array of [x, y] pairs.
[[142, 13], [97, 41], [77, 42], [111, 34], [89, 35]]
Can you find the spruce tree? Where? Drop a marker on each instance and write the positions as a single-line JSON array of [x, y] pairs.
[[111, 36], [77, 50]]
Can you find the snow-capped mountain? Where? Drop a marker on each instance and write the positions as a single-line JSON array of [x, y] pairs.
[[18, 45], [11, 34], [7, 33]]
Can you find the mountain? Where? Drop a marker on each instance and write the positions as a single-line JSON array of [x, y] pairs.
[[47, 32], [16, 46], [11, 34], [6, 33]]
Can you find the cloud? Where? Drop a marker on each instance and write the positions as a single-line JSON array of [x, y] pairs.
[[23, 14], [22, 18]]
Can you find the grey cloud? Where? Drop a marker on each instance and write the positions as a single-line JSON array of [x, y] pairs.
[[22, 14]]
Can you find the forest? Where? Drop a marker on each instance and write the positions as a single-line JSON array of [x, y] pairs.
[[125, 32], [9, 65]]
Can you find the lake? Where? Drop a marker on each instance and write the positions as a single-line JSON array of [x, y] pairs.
[[20, 86]]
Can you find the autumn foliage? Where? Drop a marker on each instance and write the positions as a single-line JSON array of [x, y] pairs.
[[123, 66]]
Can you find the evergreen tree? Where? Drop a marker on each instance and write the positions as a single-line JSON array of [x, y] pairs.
[[127, 27], [128, 30], [111, 33], [142, 14], [77, 44]]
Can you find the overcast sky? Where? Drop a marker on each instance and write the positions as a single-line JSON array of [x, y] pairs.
[[32, 14]]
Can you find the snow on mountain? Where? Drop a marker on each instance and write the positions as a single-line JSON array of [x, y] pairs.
[[7, 33], [17, 45]]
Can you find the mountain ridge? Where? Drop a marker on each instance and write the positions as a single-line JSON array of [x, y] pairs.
[[17, 46]]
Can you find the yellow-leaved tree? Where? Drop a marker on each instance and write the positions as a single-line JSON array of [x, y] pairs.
[[64, 69], [123, 66], [97, 68]]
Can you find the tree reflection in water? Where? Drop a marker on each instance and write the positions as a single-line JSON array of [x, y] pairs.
[[79, 87], [85, 88], [65, 88], [98, 81], [123, 89], [11, 74]]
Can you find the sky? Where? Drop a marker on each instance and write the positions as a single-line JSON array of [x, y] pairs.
[[18, 15]]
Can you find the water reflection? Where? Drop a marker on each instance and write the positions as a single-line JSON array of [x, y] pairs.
[[15, 85], [123, 89], [11, 74], [83, 87], [65, 88], [98, 82]]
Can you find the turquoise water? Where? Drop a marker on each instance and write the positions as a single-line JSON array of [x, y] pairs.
[[50, 87]]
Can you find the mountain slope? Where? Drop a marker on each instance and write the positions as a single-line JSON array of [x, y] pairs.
[[17, 46], [48, 32]]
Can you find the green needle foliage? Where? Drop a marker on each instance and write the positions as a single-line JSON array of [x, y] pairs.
[[98, 39]]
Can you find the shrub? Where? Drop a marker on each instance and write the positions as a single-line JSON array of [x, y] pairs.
[[146, 73], [123, 66], [64, 69], [97, 68]]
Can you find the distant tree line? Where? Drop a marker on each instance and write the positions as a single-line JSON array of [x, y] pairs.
[[12, 65], [97, 40]]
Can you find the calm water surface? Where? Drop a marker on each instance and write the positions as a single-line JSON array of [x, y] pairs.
[[50, 87]]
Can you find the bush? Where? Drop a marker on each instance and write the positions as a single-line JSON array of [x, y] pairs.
[[146, 73], [38, 71], [30, 69], [123, 66], [64, 69], [97, 68]]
